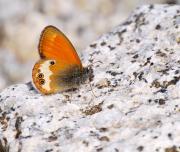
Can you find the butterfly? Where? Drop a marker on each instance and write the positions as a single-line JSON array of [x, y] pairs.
[[59, 68]]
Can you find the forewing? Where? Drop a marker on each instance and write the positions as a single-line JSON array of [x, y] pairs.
[[54, 44]]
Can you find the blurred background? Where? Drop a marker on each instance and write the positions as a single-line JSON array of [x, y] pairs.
[[83, 21]]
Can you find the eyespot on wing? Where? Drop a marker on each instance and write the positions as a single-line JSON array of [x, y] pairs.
[[41, 75]]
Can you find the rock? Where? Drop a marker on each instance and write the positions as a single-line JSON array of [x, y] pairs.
[[138, 110]]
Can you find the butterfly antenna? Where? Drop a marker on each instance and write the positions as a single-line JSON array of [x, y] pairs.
[[90, 65], [92, 90]]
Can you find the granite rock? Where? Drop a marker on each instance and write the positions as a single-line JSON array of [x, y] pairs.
[[136, 83]]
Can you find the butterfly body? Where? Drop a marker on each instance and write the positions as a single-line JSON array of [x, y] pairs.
[[59, 68]]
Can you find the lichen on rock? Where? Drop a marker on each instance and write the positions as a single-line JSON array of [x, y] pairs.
[[137, 110]]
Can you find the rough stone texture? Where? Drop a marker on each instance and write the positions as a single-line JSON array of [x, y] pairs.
[[136, 81]]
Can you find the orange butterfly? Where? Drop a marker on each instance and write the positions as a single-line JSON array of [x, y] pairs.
[[59, 68]]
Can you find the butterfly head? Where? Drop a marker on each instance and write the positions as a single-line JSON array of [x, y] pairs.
[[88, 73]]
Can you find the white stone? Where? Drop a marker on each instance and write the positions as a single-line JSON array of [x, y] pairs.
[[138, 111]]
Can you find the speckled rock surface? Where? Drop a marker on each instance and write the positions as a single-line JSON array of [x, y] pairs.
[[137, 84]]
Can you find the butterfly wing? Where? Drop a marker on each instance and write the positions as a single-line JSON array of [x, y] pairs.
[[54, 44], [51, 76]]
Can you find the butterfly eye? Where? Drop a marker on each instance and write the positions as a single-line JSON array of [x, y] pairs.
[[42, 81], [52, 62], [40, 75]]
